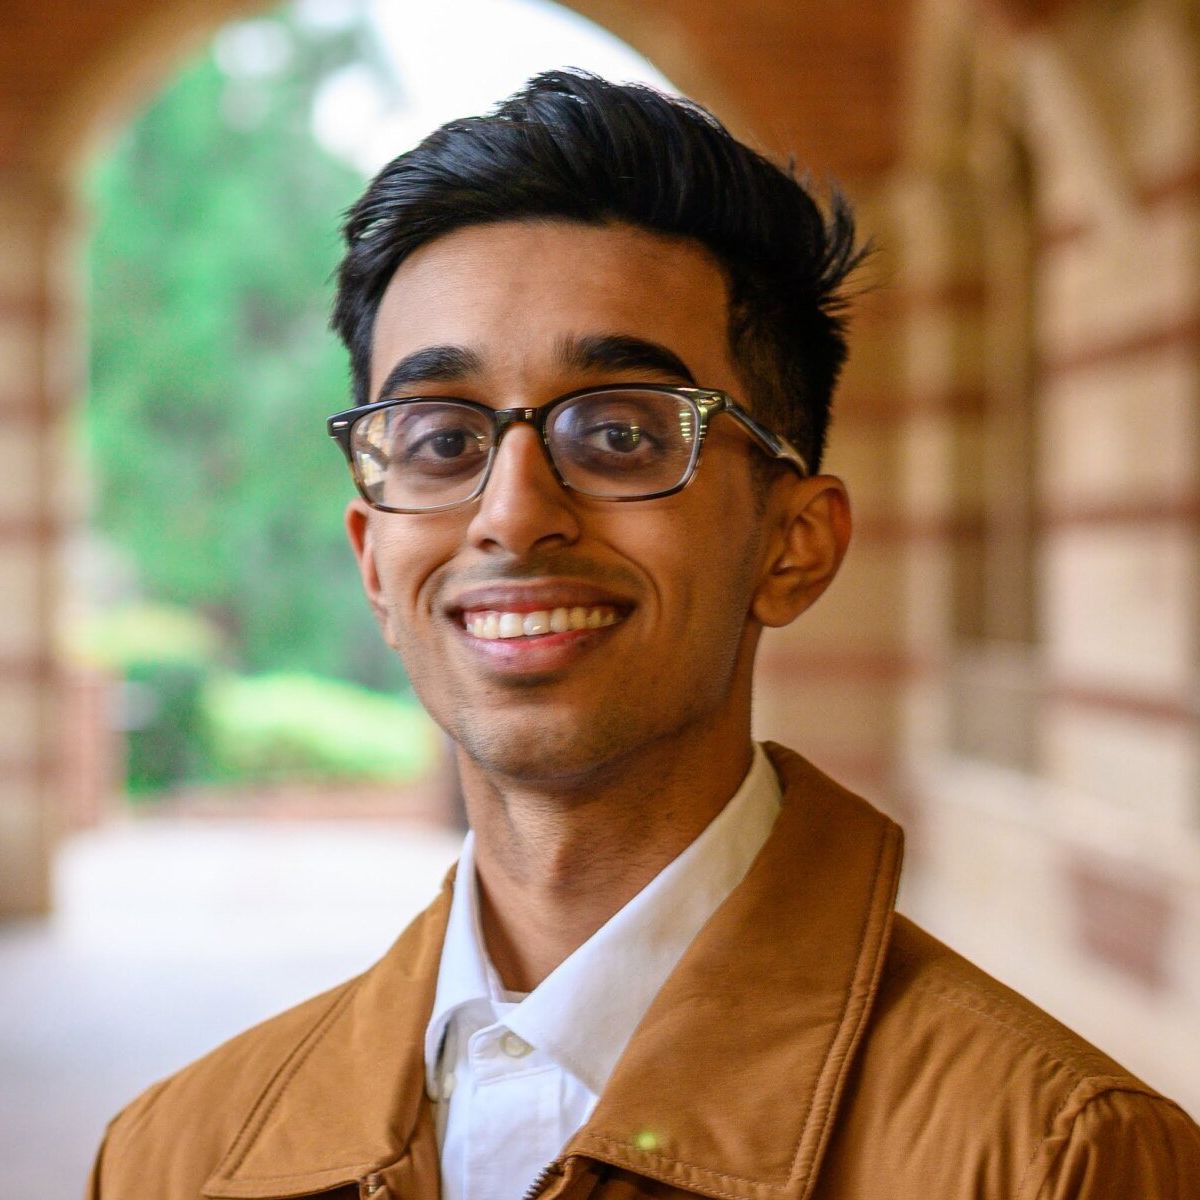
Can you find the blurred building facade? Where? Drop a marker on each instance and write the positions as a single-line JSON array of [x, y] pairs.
[[1010, 661]]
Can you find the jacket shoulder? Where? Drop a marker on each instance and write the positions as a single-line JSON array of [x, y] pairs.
[[179, 1129], [1001, 1099], [924, 976], [305, 1095]]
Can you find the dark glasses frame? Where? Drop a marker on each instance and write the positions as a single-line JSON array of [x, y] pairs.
[[707, 403]]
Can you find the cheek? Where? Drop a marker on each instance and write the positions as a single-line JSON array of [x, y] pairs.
[[408, 560], [702, 559], [709, 589]]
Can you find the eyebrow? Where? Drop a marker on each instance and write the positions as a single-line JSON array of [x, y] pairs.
[[591, 352], [620, 352], [431, 364]]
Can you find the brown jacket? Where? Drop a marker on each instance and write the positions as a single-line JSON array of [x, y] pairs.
[[809, 1044]]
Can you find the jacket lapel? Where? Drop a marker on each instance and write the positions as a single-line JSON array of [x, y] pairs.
[[349, 1101], [731, 1083]]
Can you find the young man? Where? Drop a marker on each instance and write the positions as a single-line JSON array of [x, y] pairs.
[[594, 341]]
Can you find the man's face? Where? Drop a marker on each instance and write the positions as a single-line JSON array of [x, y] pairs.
[[514, 315]]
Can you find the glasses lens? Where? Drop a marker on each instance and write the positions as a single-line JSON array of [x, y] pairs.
[[421, 454], [624, 442]]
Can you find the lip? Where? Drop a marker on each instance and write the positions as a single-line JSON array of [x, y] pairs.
[[548, 653], [535, 597], [534, 657]]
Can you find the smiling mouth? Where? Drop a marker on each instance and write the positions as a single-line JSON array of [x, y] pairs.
[[493, 625]]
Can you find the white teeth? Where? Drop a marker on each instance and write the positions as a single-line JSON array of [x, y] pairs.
[[535, 623], [493, 625]]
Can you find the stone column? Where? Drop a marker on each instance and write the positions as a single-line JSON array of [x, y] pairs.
[[38, 372]]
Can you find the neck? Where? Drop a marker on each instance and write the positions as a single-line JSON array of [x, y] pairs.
[[555, 863]]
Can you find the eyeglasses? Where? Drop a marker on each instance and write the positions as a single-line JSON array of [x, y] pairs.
[[629, 442]]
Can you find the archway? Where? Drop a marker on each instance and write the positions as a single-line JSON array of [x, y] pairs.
[[820, 86]]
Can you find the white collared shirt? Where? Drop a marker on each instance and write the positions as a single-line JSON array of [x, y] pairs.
[[513, 1076]]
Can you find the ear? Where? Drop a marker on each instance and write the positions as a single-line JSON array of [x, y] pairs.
[[809, 532], [359, 529]]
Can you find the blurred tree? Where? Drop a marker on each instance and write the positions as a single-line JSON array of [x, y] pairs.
[[211, 368]]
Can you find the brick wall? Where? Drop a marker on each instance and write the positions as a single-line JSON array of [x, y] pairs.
[[1050, 207], [38, 355]]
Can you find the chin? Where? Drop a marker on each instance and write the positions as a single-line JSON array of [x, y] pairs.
[[537, 754]]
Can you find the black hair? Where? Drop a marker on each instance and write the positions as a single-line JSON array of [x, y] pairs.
[[576, 147]]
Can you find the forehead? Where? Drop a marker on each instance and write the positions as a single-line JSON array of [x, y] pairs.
[[514, 293]]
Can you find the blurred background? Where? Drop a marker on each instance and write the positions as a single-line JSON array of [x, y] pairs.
[[217, 794]]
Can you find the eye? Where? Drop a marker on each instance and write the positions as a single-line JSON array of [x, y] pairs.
[[622, 425], [445, 443], [429, 436], [622, 438], [422, 439]]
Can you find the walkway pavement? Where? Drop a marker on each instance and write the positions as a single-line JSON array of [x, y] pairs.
[[171, 936]]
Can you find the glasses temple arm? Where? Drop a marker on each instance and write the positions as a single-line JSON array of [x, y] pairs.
[[778, 446]]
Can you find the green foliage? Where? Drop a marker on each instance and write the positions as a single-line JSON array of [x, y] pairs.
[[164, 657], [212, 367], [135, 634], [188, 720], [166, 742], [285, 725]]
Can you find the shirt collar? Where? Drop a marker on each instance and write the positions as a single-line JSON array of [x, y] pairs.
[[584, 1013], [465, 973]]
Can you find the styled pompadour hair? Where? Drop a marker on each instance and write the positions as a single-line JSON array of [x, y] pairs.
[[575, 147]]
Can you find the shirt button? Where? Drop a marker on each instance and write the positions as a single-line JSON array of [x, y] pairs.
[[513, 1046]]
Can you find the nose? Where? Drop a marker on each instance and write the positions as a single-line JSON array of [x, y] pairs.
[[523, 506]]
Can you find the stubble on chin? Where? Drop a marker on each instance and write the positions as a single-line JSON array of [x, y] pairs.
[[568, 753]]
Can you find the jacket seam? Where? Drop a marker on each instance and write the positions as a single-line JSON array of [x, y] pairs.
[[1028, 1034], [1070, 1096], [1107, 1091], [619, 1147], [283, 1075], [1018, 1028], [1106, 1082]]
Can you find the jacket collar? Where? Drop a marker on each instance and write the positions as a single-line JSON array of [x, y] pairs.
[[348, 1100], [756, 1027], [731, 1084]]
